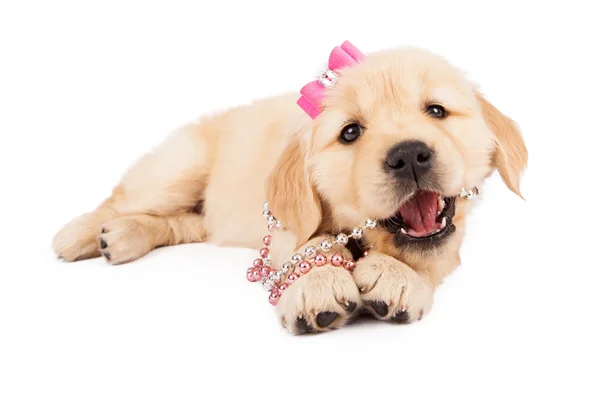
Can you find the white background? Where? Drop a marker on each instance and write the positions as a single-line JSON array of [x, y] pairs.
[[86, 87]]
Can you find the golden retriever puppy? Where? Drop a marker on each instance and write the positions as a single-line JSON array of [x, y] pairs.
[[400, 134]]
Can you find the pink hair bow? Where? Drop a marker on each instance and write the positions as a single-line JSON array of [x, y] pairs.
[[313, 93]]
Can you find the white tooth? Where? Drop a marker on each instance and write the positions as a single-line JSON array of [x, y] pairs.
[[403, 231], [443, 224], [441, 204]]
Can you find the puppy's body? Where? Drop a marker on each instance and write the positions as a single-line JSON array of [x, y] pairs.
[[247, 144], [208, 180]]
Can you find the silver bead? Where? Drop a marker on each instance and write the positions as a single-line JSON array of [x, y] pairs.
[[267, 285], [296, 258], [310, 251], [286, 267], [370, 224], [357, 233], [279, 274], [266, 206], [342, 239], [266, 214], [274, 278], [472, 193], [278, 225], [326, 245], [271, 220]]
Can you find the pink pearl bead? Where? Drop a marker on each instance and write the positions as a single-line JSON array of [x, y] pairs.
[[264, 271], [304, 267], [349, 265], [337, 259], [282, 287], [271, 227], [320, 259], [256, 274], [292, 277], [253, 274], [267, 240], [274, 298], [264, 252], [257, 263]]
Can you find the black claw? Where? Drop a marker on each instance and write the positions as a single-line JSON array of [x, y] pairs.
[[325, 318], [103, 244], [350, 307], [107, 255], [103, 230], [380, 307], [302, 326], [403, 317]]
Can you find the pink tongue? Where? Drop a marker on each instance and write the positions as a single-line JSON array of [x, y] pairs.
[[420, 211]]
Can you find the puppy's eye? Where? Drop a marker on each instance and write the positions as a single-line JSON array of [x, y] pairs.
[[350, 133], [436, 111]]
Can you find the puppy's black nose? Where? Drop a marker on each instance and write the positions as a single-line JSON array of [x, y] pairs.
[[409, 160]]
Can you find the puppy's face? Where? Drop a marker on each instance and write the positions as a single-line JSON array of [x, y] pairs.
[[399, 136]]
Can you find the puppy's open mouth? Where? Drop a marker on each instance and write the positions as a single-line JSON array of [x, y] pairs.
[[425, 217]]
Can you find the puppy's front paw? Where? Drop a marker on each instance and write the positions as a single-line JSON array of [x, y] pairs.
[[323, 299], [124, 239], [76, 241], [392, 291]]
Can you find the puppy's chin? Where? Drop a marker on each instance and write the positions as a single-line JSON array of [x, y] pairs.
[[423, 222]]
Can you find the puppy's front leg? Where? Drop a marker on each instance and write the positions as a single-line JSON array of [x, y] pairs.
[[324, 298], [391, 290]]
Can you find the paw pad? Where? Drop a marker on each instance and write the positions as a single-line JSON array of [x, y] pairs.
[[350, 307], [326, 318], [379, 307], [402, 317], [302, 325]]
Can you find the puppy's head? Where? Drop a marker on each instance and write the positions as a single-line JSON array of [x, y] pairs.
[[399, 136]]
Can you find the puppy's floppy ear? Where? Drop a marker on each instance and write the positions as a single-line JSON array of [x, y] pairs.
[[292, 197], [510, 154]]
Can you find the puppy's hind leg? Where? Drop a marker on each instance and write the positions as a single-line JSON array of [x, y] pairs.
[[166, 182], [76, 240]]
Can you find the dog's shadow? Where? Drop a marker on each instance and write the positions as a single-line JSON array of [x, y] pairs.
[[363, 319]]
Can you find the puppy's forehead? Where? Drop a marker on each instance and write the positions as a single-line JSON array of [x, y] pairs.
[[400, 79]]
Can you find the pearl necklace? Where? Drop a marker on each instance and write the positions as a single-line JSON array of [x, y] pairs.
[[276, 281]]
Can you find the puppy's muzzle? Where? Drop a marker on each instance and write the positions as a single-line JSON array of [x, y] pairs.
[[409, 161]]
